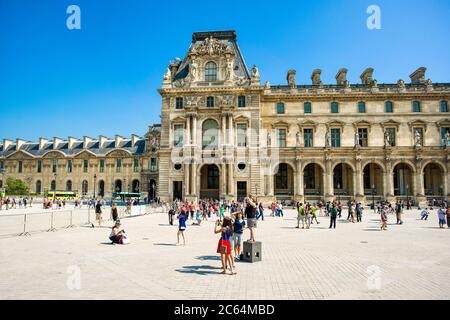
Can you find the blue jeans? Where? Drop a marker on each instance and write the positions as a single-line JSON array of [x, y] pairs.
[[259, 214]]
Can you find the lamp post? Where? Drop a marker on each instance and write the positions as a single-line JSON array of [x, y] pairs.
[[373, 197], [55, 175], [95, 182]]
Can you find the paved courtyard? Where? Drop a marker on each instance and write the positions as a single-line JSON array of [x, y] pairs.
[[355, 261]]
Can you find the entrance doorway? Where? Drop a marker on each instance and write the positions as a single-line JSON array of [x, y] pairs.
[[241, 190], [178, 190], [209, 182]]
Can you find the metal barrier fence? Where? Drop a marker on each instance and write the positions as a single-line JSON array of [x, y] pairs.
[[27, 223]]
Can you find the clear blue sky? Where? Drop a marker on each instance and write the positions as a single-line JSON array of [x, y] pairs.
[[103, 78]]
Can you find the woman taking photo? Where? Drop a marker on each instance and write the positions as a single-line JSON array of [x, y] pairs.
[[224, 246]]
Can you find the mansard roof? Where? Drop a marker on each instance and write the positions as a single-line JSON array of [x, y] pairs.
[[212, 40], [33, 148]]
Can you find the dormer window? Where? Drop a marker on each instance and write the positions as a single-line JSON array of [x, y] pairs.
[[210, 72]]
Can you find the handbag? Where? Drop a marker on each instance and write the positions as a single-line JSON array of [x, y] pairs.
[[223, 249]]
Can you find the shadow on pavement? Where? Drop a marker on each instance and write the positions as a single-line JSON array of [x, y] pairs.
[[203, 258], [200, 270], [165, 244]]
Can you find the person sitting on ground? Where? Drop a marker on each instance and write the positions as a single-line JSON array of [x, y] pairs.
[[117, 235], [424, 214]]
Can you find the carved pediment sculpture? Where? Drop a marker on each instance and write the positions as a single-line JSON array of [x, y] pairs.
[[341, 76], [211, 47], [291, 78], [226, 100]]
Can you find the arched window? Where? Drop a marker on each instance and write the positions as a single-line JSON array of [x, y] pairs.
[[210, 71], [38, 187], [69, 185], [210, 134], [84, 187]]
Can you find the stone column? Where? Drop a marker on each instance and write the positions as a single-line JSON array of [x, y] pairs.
[[186, 179], [224, 129], [194, 131], [328, 180], [194, 179], [230, 129], [188, 130], [230, 180], [223, 180], [270, 177]]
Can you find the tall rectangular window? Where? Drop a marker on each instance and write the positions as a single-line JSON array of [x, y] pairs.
[[388, 107], [280, 107], [443, 106], [20, 167], [391, 136], [102, 166], [363, 137], [153, 165], [54, 166], [118, 165], [136, 165], [444, 133], [178, 135], [69, 166], [39, 166], [241, 102], [210, 102], [334, 107], [361, 107], [179, 103], [85, 166], [241, 134], [335, 137], [307, 107], [281, 138], [308, 136], [416, 106]]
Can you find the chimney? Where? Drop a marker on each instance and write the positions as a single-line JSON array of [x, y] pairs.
[[19, 143], [56, 142], [6, 144], [42, 142], [101, 141], [134, 139], [118, 140], [72, 141], [86, 141], [418, 76]]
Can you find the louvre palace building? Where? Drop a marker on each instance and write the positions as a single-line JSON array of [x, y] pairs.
[[225, 135]]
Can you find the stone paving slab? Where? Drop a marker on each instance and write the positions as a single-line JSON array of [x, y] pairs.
[[412, 261]]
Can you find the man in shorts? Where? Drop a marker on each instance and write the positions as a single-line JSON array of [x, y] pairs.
[[300, 216]]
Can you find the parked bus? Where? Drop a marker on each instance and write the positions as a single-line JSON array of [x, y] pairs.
[[61, 195]]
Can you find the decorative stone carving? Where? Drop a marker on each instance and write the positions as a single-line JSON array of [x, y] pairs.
[[193, 70], [315, 77], [417, 139], [341, 76], [269, 140], [366, 76], [297, 139], [418, 76], [327, 139], [401, 85], [226, 100], [387, 142], [357, 145], [267, 85], [211, 47], [194, 101], [180, 83], [291, 78]]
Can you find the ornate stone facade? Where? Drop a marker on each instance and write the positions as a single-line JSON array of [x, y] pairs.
[[101, 166], [224, 135]]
